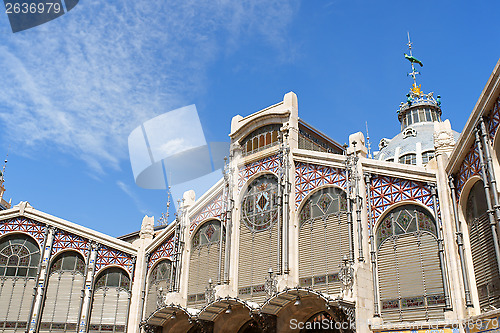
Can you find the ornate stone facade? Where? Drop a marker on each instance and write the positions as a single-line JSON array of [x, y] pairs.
[[356, 242]]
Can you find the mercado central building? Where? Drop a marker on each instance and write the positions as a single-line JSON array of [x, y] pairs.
[[300, 231]]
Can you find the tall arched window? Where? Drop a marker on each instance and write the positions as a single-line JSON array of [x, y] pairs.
[[110, 301], [158, 285], [482, 248], [63, 297], [258, 236], [409, 272], [323, 239], [207, 251], [19, 260]]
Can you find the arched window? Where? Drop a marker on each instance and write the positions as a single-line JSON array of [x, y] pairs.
[[427, 156], [207, 252], [408, 159], [258, 236], [19, 260], [159, 285], [261, 138], [260, 204], [110, 301], [207, 234], [63, 297], [323, 239], [482, 248], [409, 272], [19, 256]]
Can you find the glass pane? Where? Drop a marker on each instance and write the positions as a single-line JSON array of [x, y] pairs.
[[275, 136], [421, 115], [22, 271], [113, 279], [31, 245], [261, 141], [434, 117], [69, 263], [268, 138], [2, 271], [249, 146], [32, 272], [428, 115], [415, 116], [11, 271], [255, 143]]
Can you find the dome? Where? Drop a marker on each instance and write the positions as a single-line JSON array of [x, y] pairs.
[[414, 145]]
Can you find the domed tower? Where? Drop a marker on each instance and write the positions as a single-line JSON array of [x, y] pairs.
[[415, 144]]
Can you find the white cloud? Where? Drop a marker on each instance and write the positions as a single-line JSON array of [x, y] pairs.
[[82, 82], [138, 203]]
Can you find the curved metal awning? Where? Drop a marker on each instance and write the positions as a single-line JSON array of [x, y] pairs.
[[169, 312], [212, 310]]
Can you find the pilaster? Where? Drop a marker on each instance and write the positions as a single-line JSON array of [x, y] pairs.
[[42, 280]]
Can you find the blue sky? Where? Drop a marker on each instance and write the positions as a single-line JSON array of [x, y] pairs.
[[74, 88]]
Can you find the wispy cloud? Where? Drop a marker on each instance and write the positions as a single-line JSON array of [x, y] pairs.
[[138, 203], [82, 82]]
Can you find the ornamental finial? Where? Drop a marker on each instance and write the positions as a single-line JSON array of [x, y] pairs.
[[416, 89]]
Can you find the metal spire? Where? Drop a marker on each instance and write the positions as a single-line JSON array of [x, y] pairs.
[[163, 220], [368, 145], [2, 179], [413, 73]]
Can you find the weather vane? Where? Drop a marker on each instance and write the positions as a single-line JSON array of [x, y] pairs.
[[413, 72]]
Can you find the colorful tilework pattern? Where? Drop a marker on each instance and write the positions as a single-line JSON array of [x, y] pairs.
[[65, 240], [470, 166], [386, 191], [214, 209], [165, 250], [31, 227], [271, 163], [310, 176], [494, 119], [108, 256]]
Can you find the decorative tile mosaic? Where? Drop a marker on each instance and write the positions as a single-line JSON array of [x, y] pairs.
[[165, 250], [494, 119], [23, 224], [386, 191], [65, 240], [271, 163], [310, 176], [108, 256], [470, 167], [214, 209]]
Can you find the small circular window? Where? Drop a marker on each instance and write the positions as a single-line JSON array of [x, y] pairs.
[[260, 204]]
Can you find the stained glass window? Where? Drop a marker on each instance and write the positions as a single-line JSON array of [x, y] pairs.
[[261, 138], [113, 277], [260, 204], [329, 200], [208, 233], [161, 272], [476, 202], [68, 261], [19, 256], [405, 219]]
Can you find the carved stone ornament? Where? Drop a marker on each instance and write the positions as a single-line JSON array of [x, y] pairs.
[[443, 136], [147, 227]]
